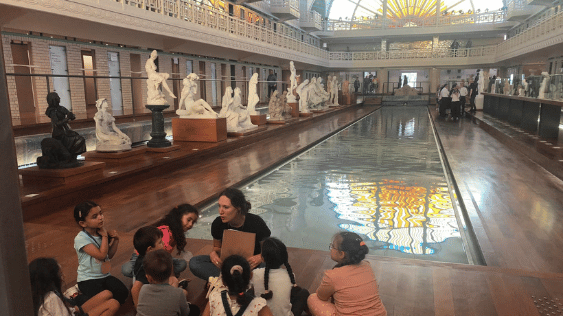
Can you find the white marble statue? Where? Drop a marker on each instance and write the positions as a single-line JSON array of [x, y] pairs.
[[324, 95], [525, 87], [334, 91], [303, 92], [543, 85], [108, 137], [237, 116], [286, 107], [328, 87], [275, 107], [154, 81], [507, 89], [292, 83], [190, 108], [253, 97]]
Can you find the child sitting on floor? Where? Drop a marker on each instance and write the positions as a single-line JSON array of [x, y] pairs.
[[159, 297], [146, 240], [288, 299], [235, 300], [351, 283]]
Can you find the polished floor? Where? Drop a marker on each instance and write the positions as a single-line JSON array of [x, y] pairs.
[[382, 178], [514, 206]]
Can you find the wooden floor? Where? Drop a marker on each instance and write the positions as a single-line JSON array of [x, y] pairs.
[[515, 207]]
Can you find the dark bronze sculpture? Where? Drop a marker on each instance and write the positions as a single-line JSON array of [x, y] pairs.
[[61, 150]]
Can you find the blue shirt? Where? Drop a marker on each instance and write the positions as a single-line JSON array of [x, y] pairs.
[[88, 267]]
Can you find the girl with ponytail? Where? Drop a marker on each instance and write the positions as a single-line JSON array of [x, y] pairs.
[[288, 299], [236, 301], [351, 283]]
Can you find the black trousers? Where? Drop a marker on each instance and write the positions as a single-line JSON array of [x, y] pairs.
[[299, 301], [270, 90], [91, 288]]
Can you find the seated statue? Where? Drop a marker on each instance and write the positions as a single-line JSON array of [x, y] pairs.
[[61, 150], [108, 137], [237, 116], [303, 92], [286, 107], [190, 108], [154, 81]]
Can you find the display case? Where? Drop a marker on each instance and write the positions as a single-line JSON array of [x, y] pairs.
[[534, 83], [555, 87]]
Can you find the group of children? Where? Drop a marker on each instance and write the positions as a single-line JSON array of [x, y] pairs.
[[349, 288]]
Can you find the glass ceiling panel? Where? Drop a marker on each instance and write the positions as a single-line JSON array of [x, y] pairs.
[[362, 9]]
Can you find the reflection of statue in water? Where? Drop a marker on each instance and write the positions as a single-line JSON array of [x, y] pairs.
[[61, 150], [190, 108], [155, 79], [108, 137], [252, 95], [286, 107], [292, 83]]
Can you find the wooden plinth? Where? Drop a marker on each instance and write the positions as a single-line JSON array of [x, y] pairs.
[[162, 149], [199, 130], [258, 119], [113, 156], [294, 109], [276, 122], [88, 171], [318, 111], [306, 114], [248, 131]]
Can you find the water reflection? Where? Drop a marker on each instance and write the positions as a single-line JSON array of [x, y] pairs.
[[381, 177]]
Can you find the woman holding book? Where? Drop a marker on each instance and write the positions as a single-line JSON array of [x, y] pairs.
[[233, 214]]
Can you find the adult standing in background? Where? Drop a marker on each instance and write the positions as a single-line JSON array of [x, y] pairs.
[[356, 85], [272, 84], [405, 80], [473, 93], [462, 97]]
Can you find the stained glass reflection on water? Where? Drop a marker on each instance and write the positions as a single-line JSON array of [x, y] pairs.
[[381, 178]]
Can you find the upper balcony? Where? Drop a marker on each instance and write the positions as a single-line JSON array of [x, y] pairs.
[[311, 21], [520, 10], [285, 9]]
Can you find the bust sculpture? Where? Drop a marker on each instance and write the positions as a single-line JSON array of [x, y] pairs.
[[292, 83], [154, 81], [303, 92], [64, 145], [108, 137], [190, 108], [543, 87], [253, 97]]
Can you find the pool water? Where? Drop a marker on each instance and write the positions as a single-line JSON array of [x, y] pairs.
[[381, 177]]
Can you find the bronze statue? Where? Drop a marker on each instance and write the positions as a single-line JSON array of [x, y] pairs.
[[61, 150]]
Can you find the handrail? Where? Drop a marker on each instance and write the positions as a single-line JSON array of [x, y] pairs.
[[481, 51]]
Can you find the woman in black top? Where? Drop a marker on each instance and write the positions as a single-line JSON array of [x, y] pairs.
[[233, 214]]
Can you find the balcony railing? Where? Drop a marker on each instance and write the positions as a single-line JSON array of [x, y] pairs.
[[192, 12], [484, 51], [285, 9], [311, 21], [362, 24]]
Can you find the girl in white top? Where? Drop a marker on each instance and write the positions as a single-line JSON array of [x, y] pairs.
[[46, 282], [235, 274], [274, 254]]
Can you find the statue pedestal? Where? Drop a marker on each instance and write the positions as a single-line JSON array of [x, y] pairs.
[[112, 156], [479, 102], [158, 134], [305, 114], [89, 171], [258, 119], [294, 109], [210, 130], [247, 131], [276, 121], [318, 111]]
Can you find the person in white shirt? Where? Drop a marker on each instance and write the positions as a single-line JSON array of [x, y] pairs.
[[445, 100], [456, 104]]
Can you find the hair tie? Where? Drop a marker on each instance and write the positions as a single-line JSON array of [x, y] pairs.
[[241, 294], [79, 214], [236, 268], [362, 243]]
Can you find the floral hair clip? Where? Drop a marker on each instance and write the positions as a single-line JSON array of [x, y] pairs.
[[362, 243]]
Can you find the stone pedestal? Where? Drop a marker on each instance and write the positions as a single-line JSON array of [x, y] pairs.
[[258, 119], [211, 130], [307, 114], [158, 135], [276, 122], [89, 171], [112, 156], [247, 131], [294, 109]]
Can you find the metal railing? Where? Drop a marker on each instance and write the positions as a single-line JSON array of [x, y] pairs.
[[416, 54]]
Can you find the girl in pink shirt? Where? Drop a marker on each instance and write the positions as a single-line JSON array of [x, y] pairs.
[[350, 288]]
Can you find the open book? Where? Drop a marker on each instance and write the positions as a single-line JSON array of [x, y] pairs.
[[237, 243]]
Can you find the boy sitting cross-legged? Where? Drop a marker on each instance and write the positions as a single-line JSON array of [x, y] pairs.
[[159, 297], [146, 240]]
